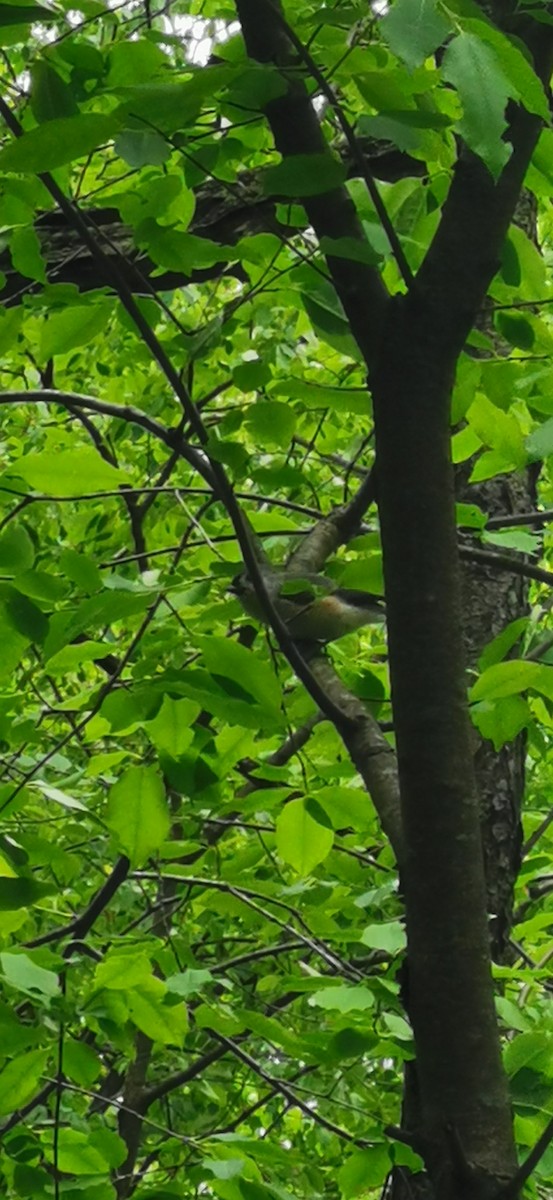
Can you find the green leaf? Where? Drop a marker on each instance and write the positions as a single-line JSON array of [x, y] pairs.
[[72, 657], [249, 376], [122, 970], [57, 142], [81, 569], [525, 84], [516, 329], [344, 999], [171, 106], [318, 396], [25, 14], [346, 807], [137, 813], [364, 1170], [474, 69], [16, 550], [272, 423], [414, 29], [539, 443], [80, 1063], [389, 936], [19, 1080], [134, 62], [68, 472], [51, 96], [227, 660], [22, 893], [501, 720], [161, 1022], [224, 1168], [497, 429], [172, 730], [72, 327], [189, 983], [304, 175], [531, 1051], [26, 976], [301, 841], [22, 615], [142, 147], [26, 254], [508, 679], [76, 1155], [500, 645]]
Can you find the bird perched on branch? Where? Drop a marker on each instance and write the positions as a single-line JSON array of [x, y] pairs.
[[312, 606]]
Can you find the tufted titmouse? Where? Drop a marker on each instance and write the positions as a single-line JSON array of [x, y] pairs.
[[312, 606]]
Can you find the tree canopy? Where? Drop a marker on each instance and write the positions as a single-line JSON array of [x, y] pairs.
[[275, 293]]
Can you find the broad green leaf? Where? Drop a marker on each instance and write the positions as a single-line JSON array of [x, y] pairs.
[[317, 396], [389, 936], [76, 1155], [516, 66], [72, 657], [142, 147], [414, 29], [26, 976], [189, 982], [508, 679], [172, 730], [353, 249], [470, 516], [346, 806], [134, 62], [364, 1171], [500, 645], [23, 616], [123, 970], [498, 430], [226, 660], [301, 841], [516, 329], [69, 472], [351, 1043], [10, 325], [59, 797], [174, 104], [249, 376], [51, 96], [175, 250], [19, 1080], [511, 539], [81, 569], [473, 67], [271, 423], [72, 327], [161, 1022], [16, 550], [344, 999], [224, 1168], [539, 443], [304, 175], [137, 813], [26, 254], [19, 14], [22, 892], [532, 1051], [57, 142], [80, 1063], [501, 720]]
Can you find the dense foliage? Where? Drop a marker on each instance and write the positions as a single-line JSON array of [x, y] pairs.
[[201, 933]]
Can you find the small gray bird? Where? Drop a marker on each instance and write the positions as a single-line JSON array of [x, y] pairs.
[[312, 606]]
